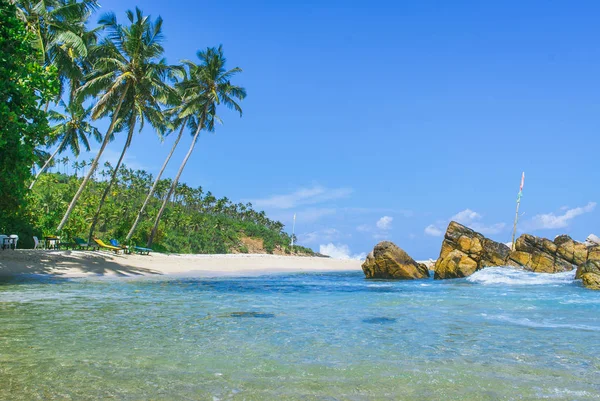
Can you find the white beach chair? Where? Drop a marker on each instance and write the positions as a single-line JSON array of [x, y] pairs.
[[15, 239], [36, 242]]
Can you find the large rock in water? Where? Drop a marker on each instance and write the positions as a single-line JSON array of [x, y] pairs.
[[389, 261], [541, 255], [465, 251], [589, 273]]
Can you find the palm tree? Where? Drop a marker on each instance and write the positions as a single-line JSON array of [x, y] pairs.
[[135, 51], [72, 131], [207, 87], [181, 122], [128, 73], [60, 35]]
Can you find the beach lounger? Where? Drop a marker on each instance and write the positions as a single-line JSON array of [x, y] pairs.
[[82, 244], [142, 251], [114, 242], [106, 246]]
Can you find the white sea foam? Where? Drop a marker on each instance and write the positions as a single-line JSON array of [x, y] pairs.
[[512, 276]]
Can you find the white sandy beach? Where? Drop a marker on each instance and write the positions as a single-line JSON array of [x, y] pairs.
[[95, 263]]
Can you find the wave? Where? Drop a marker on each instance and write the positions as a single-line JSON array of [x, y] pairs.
[[513, 276], [542, 324]]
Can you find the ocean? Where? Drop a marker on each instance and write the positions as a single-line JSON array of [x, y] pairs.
[[501, 334]]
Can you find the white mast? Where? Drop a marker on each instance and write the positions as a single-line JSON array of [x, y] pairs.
[[517, 212], [293, 229]]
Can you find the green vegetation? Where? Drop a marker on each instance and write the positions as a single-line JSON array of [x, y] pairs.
[[55, 68], [194, 221], [23, 126]]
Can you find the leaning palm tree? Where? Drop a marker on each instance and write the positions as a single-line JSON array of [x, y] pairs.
[[207, 87], [128, 81], [71, 132], [177, 122]]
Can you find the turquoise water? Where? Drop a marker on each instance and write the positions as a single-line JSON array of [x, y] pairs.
[[499, 335]]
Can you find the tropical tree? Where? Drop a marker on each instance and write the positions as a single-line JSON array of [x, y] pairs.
[[177, 122], [71, 131], [208, 86], [128, 70], [59, 34], [23, 126], [135, 52]]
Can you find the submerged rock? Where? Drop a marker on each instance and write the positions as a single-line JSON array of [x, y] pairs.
[[388, 261], [465, 251]]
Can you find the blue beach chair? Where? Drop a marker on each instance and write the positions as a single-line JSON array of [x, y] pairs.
[[141, 250]]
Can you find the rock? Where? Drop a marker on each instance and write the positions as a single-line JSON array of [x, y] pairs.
[[541, 255], [591, 281], [389, 261], [591, 267], [465, 251], [594, 253], [455, 264], [589, 273], [592, 240]]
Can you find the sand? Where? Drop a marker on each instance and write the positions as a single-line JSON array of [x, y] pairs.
[[99, 263]]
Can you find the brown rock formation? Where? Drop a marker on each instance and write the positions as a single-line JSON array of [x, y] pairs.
[[541, 255], [589, 273], [465, 251], [390, 262]]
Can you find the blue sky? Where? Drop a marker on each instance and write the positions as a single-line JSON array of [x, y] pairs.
[[384, 120]]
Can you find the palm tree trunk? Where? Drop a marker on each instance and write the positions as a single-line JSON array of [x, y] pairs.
[[48, 162], [112, 179], [139, 215], [174, 184], [94, 163]]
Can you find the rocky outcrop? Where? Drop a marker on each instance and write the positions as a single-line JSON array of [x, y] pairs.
[[390, 262], [541, 255], [589, 273], [465, 251]]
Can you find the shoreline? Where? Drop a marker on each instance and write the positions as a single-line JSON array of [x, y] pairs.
[[69, 263]]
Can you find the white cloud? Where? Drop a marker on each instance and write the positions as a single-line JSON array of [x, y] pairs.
[[303, 196], [365, 228], [340, 252], [384, 223], [326, 235], [466, 217], [551, 221], [433, 231], [380, 230]]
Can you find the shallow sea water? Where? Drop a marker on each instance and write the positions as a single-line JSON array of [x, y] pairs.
[[499, 335]]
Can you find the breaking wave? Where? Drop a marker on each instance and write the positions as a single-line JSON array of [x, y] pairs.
[[512, 276]]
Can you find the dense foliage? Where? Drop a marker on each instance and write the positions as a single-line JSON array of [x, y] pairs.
[[23, 124], [195, 221], [54, 67]]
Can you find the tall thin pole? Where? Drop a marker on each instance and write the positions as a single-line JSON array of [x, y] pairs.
[[293, 229], [517, 212]]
